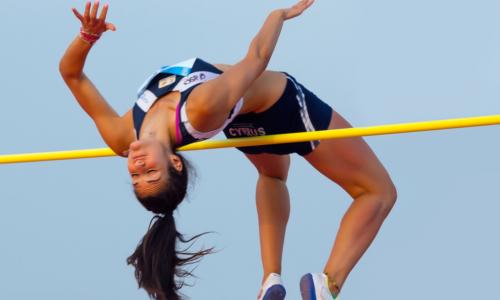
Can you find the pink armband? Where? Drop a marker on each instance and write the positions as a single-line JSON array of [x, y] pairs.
[[89, 37]]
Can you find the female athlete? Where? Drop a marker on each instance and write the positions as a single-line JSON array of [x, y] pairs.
[[194, 100]]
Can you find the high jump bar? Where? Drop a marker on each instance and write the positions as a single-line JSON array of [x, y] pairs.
[[272, 139]]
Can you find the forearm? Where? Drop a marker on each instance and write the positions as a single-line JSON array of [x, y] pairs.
[[264, 42], [86, 94], [73, 60]]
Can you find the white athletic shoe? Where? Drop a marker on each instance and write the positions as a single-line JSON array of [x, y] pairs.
[[272, 288], [314, 286]]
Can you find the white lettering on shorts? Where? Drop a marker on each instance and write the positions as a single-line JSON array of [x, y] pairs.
[[247, 131]]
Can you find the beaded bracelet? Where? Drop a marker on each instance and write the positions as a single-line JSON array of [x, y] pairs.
[[89, 37]]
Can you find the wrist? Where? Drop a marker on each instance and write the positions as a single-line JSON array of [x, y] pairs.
[[89, 38], [280, 13]]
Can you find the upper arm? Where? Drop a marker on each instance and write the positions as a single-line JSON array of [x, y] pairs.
[[116, 131], [89, 98], [210, 103], [231, 85]]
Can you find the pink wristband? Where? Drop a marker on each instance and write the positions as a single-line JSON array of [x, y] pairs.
[[89, 37]]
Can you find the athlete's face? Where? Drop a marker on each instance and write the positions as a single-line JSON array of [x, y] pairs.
[[147, 165]]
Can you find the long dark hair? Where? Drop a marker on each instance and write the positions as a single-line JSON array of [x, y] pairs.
[[157, 261]]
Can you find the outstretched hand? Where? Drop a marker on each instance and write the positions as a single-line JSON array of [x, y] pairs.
[[297, 9], [92, 24]]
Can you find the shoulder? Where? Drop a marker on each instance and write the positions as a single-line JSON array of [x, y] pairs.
[[223, 67]]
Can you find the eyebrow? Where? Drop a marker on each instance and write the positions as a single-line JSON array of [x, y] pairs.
[[148, 181], [154, 180]]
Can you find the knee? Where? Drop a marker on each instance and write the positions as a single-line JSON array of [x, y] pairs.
[[281, 178], [382, 195], [274, 172], [388, 195]]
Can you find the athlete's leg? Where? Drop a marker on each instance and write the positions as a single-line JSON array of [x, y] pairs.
[[273, 208], [353, 165]]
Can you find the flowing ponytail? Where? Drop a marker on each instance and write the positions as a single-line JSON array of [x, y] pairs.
[[157, 260]]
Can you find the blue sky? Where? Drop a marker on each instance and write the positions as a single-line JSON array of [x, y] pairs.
[[67, 227]]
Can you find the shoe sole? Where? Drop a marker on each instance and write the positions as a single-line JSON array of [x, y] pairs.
[[276, 292], [307, 287]]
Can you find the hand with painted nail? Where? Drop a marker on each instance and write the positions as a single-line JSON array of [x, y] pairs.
[[91, 24]]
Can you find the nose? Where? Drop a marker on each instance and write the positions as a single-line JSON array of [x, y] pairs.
[[135, 145]]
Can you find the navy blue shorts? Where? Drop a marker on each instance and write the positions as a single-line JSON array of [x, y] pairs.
[[297, 110]]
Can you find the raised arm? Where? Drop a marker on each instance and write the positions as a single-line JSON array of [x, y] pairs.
[[221, 94], [264, 43], [115, 130]]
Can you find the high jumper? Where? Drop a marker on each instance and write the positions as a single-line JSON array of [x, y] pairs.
[[194, 100]]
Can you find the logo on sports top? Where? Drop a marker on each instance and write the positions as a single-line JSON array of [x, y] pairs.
[[194, 78], [166, 81], [146, 99]]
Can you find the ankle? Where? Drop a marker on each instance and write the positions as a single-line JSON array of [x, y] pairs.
[[271, 278], [268, 275], [333, 286]]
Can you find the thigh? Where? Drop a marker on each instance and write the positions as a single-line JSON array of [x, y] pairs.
[[271, 165], [349, 162]]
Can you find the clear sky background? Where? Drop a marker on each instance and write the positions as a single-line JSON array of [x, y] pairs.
[[67, 227]]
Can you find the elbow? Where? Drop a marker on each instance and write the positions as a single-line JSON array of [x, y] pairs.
[[66, 72], [62, 69], [263, 54], [260, 55], [259, 59]]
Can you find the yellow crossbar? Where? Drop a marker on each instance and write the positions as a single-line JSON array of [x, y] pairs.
[[272, 139]]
